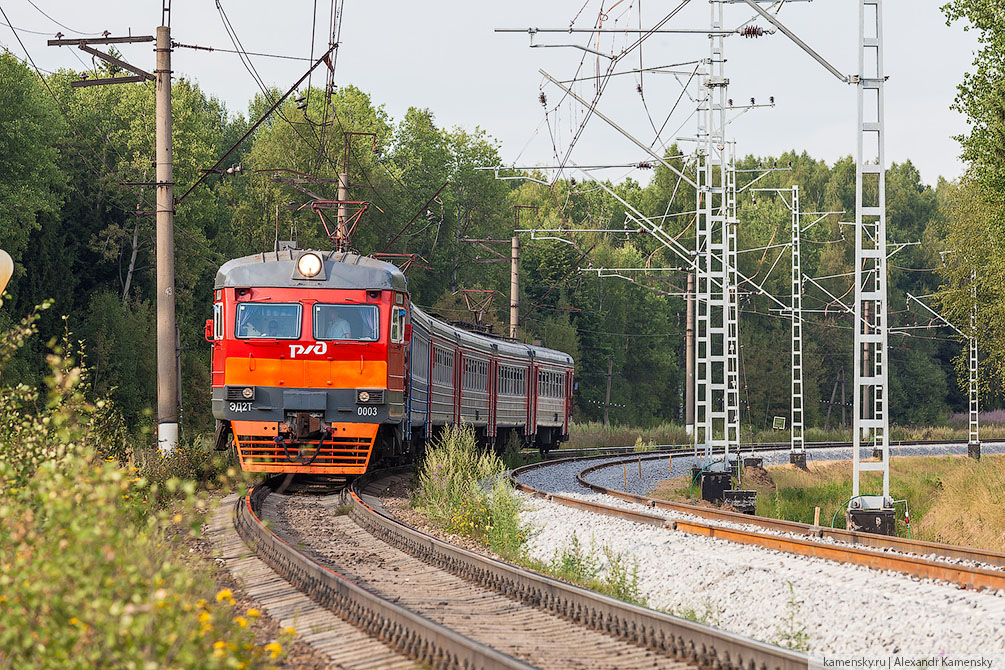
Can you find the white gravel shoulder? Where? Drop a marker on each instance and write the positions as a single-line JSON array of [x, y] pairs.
[[561, 478], [768, 595], [842, 609]]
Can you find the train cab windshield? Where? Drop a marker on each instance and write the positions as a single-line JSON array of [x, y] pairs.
[[357, 323], [268, 320]]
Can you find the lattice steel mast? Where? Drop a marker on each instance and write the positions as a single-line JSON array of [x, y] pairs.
[[973, 386], [716, 328], [797, 453], [870, 401], [974, 441], [871, 387]]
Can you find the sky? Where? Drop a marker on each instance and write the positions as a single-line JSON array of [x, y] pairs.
[[446, 57]]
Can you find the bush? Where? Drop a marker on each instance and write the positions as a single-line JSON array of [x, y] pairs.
[[90, 569], [461, 487]]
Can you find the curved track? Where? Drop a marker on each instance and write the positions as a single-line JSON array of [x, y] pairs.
[[468, 611], [964, 566], [688, 449]]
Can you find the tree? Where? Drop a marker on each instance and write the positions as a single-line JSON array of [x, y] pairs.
[[981, 94], [33, 184], [974, 220]]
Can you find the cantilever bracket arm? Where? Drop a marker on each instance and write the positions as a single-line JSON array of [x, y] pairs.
[[116, 61], [691, 263], [935, 314], [773, 20], [665, 163]]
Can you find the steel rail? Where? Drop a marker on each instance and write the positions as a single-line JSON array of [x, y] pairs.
[[441, 647], [410, 633], [686, 640], [852, 548], [750, 448], [885, 542]]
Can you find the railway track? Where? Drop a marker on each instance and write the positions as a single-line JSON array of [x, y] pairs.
[[963, 566], [685, 449], [447, 607]]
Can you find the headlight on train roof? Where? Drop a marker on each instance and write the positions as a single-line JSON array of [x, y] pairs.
[[309, 265]]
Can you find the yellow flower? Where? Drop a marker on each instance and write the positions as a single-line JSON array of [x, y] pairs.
[[290, 631], [200, 603], [177, 518], [274, 649], [219, 644], [254, 613], [224, 594], [241, 621], [74, 621], [204, 617]]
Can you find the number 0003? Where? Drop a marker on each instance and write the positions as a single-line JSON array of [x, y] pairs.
[[366, 411]]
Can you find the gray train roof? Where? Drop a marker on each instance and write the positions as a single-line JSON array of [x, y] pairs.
[[342, 270], [488, 345]]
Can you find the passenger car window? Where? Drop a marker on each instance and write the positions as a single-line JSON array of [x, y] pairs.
[[268, 320], [354, 323]]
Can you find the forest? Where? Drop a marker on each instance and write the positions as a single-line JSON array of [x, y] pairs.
[[77, 228]]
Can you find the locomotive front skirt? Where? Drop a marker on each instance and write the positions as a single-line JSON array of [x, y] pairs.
[[321, 364]]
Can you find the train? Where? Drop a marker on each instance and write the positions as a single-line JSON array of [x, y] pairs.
[[321, 364]]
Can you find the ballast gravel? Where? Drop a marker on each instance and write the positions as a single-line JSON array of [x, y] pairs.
[[655, 471], [835, 609]]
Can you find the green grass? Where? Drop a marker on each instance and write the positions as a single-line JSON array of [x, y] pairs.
[[607, 572], [952, 499], [707, 613], [791, 631], [970, 507], [595, 434], [793, 494]]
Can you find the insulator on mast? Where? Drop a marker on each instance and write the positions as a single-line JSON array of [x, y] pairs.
[[753, 31]]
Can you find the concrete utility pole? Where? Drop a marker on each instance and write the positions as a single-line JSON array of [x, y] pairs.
[[167, 370], [514, 286], [343, 210], [167, 346], [607, 395], [514, 271]]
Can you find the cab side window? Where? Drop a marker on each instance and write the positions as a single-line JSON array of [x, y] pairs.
[[398, 324], [218, 321]]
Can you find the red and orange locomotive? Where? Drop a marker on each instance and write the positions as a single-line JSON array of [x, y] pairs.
[[321, 364]]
